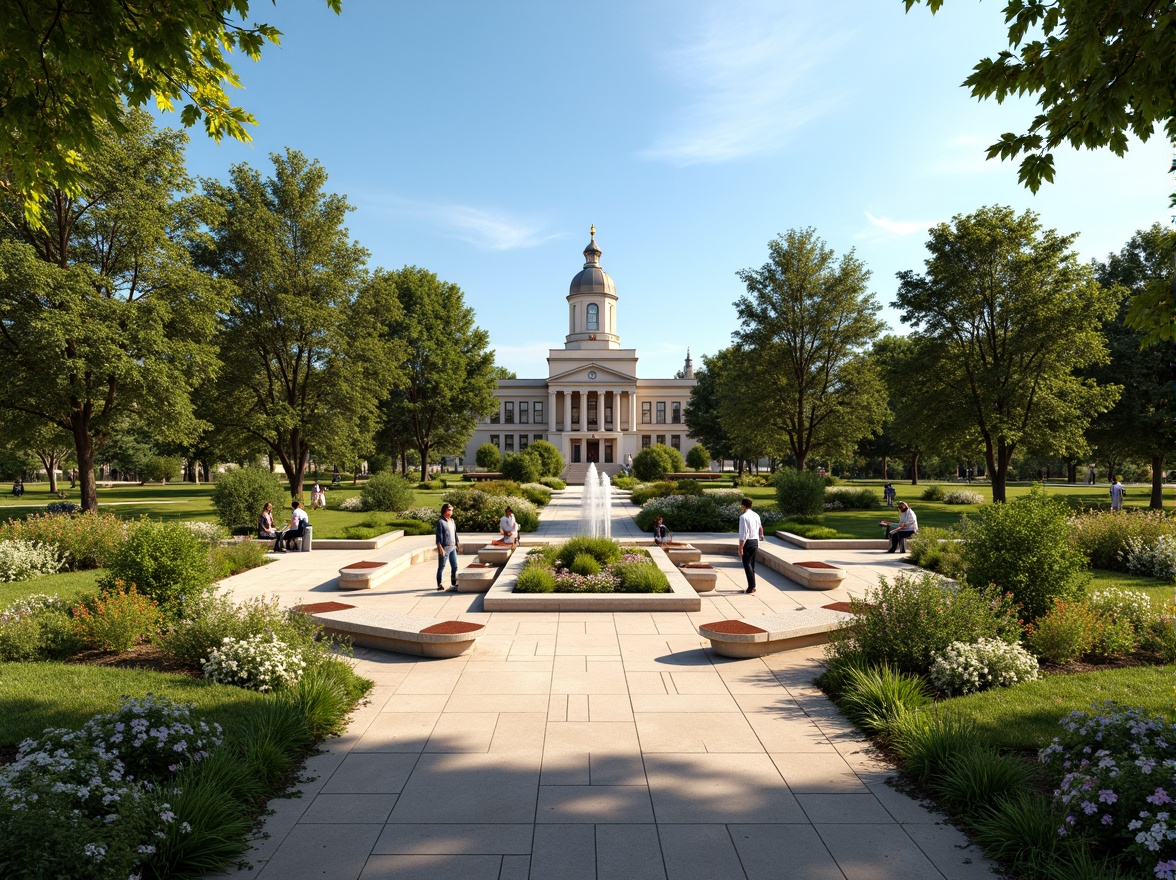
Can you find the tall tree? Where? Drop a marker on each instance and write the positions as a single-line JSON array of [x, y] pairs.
[[101, 312], [447, 375], [307, 359], [1007, 315], [1100, 71], [805, 321], [702, 411], [68, 69], [1141, 422]]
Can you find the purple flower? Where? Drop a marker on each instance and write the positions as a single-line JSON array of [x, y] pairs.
[[1107, 819], [1159, 798]]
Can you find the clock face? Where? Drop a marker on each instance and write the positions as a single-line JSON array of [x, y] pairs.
[[592, 374]]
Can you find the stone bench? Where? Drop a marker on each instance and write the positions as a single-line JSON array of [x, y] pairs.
[[477, 577], [701, 575], [701, 476], [387, 631], [772, 633], [473, 477], [364, 575], [679, 552], [812, 575], [496, 554]]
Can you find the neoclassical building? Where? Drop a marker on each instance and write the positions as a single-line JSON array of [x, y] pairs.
[[592, 406]]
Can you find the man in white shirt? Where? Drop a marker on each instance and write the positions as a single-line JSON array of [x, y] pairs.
[[751, 532], [908, 525], [297, 527]]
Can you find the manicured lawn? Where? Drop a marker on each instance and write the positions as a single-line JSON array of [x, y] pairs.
[[67, 585], [34, 696], [1161, 592], [1025, 717]]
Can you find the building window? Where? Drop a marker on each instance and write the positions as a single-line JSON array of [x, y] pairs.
[[676, 412], [676, 442], [524, 413], [509, 412], [496, 416], [645, 441], [593, 313], [575, 413], [608, 453], [661, 439], [591, 412], [522, 442], [646, 412], [509, 443], [536, 437], [661, 412], [494, 440], [608, 416], [538, 408]]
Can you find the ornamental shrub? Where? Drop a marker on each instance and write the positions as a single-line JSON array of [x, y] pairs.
[[522, 467], [536, 578], [488, 458], [211, 533], [479, 511], [640, 575], [501, 487], [261, 662], [659, 489], [552, 459], [553, 483], [698, 458], [165, 562], [117, 619], [685, 513], [800, 493], [603, 550], [1102, 536], [654, 462], [962, 496], [62, 508], [160, 468], [1023, 547], [851, 499], [1072, 630], [236, 557], [963, 668], [934, 492], [620, 481], [1112, 771], [38, 627], [937, 550], [240, 494], [537, 494], [85, 541], [354, 504], [1156, 558], [386, 491], [22, 560], [1135, 606], [907, 621], [585, 564]]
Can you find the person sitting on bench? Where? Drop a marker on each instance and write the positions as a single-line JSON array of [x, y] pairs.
[[509, 527], [908, 526], [661, 535], [296, 529]]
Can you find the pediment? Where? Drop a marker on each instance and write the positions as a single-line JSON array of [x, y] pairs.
[[579, 375]]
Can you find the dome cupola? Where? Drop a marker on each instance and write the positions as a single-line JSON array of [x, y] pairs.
[[592, 304], [592, 279]]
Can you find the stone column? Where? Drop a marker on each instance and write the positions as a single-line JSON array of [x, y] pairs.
[[550, 410], [567, 420], [633, 411]]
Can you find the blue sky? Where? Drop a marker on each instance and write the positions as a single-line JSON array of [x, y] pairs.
[[480, 141]]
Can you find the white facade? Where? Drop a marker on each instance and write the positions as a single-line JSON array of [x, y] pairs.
[[592, 406]]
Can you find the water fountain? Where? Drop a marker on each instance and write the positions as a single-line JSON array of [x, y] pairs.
[[596, 504]]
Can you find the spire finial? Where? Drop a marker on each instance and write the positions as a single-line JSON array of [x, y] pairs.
[[592, 230]]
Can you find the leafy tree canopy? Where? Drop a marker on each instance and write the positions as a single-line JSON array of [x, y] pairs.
[[67, 70]]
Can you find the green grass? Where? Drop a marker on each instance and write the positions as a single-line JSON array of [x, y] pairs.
[[1025, 717], [67, 585], [34, 696], [1161, 591]]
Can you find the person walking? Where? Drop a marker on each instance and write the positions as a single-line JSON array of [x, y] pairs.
[[751, 532], [888, 493], [1090, 476], [446, 546], [1117, 494], [908, 525]]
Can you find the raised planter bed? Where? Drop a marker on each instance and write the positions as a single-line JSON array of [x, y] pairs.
[[701, 575], [772, 633], [834, 543]]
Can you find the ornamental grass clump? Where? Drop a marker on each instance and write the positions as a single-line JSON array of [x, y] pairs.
[[937, 550], [261, 663], [875, 696], [1114, 772], [964, 668]]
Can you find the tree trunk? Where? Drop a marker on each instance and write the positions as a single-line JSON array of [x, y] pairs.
[[998, 470], [1157, 493], [914, 468], [1072, 472], [84, 449], [885, 468], [50, 463], [424, 450]]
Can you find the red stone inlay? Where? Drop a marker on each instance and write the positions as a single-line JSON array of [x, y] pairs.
[[319, 607], [452, 627], [482, 565], [838, 606], [814, 565], [732, 628], [696, 565], [364, 565]]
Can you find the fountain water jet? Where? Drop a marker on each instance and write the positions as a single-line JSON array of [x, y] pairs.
[[595, 512]]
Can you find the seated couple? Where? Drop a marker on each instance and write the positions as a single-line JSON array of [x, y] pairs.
[[509, 529], [289, 534]]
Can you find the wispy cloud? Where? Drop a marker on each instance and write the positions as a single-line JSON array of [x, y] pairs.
[[485, 228], [898, 227], [748, 69]]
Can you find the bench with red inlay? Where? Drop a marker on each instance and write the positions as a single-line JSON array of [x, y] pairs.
[[388, 631], [771, 633]]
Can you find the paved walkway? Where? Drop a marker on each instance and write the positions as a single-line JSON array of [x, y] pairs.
[[596, 746]]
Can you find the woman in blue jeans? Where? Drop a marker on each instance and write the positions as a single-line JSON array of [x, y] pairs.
[[446, 546]]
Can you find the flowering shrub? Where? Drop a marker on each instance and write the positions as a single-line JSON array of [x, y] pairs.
[[479, 511], [1115, 772], [1155, 558], [60, 508], [852, 499], [32, 604], [165, 561], [964, 668], [37, 627], [907, 621], [210, 533], [685, 513], [1132, 605], [79, 804], [428, 515], [84, 541], [116, 619], [261, 662], [1103, 535], [354, 504], [1072, 630], [21, 560], [962, 496]]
